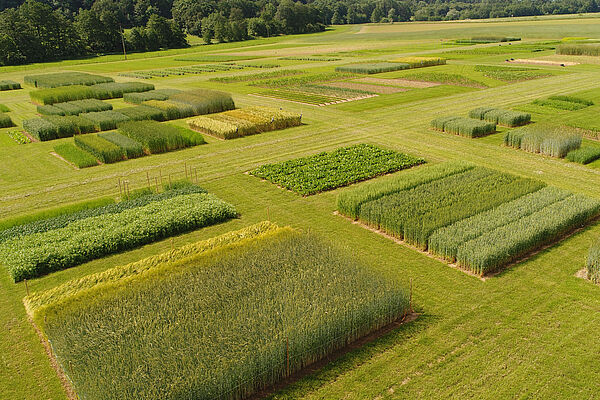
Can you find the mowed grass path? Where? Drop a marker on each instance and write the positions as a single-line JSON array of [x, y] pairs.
[[529, 332]]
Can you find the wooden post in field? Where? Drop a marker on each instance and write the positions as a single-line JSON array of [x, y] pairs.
[[26, 287], [120, 193], [196, 174], [268, 214], [156, 180], [169, 180], [185, 167], [148, 178], [160, 172]]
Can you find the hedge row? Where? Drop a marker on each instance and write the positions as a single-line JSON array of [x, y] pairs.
[[9, 85], [550, 140], [158, 138], [65, 79], [105, 151], [242, 122], [100, 91], [419, 62], [75, 155], [157, 94], [467, 127], [87, 239], [372, 68], [75, 107], [501, 117]]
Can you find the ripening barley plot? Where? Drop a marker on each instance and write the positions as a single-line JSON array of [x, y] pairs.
[[501, 117], [240, 316], [243, 122], [33, 250], [467, 127], [479, 218], [330, 170]]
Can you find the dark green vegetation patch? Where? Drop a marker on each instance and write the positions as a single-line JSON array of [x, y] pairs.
[[65, 79], [329, 170], [462, 126], [75, 155]]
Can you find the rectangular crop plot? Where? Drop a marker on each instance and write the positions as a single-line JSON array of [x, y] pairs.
[[462, 126], [501, 117], [58, 243], [547, 139], [231, 324], [245, 121], [329, 170], [372, 68], [480, 218], [65, 79]]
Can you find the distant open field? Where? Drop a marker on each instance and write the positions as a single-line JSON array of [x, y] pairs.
[[528, 331]]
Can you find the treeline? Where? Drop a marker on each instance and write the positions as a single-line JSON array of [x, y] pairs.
[[43, 30]]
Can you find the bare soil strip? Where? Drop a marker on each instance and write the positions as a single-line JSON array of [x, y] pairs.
[[398, 82], [367, 87], [316, 105], [335, 355], [542, 62]]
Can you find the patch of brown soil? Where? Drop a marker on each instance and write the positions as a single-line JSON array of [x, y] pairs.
[[369, 88], [398, 82]]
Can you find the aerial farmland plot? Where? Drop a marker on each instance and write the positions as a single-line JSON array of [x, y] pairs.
[[400, 209]]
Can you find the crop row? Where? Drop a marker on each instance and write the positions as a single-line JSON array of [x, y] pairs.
[[271, 280], [501, 117], [579, 49], [550, 140], [87, 239], [243, 122], [100, 91], [420, 62], [75, 155], [18, 136], [584, 155], [9, 85], [5, 121], [157, 94], [462, 126], [415, 214], [372, 68], [568, 103], [65, 79], [75, 107], [329, 170]]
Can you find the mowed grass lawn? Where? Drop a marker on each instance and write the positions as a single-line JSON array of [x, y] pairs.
[[528, 332]]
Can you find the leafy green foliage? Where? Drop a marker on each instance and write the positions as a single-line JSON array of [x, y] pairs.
[[211, 300], [559, 104], [18, 136], [444, 78], [156, 137], [573, 99], [511, 74], [467, 127], [40, 129], [550, 140], [70, 125], [372, 68], [171, 109], [592, 264], [130, 147], [143, 112], [75, 107], [584, 155], [101, 91], [501, 117], [113, 90], [86, 239], [420, 62], [243, 122], [415, 214], [205, 101], [75, 155], [329, 170], [65, 79], [257, 76], [106, 151]]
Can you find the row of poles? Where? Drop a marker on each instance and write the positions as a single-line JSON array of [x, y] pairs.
[[191, 174]]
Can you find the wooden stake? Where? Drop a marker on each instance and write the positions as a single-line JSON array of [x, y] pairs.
[[169, 180], [185, 167], [120, 193], [196, 173], [156, 179], [148, 178], [26, 287], [160, 172]]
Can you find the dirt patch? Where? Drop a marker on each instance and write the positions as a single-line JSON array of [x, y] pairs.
[[367, 87], [335, 355], [582, 273], [542, 62], [398, 82]]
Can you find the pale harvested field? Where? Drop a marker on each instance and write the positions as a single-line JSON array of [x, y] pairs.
[[370, 88], [398, 82]]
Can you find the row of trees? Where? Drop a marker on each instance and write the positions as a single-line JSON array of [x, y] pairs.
[[42, 30]]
